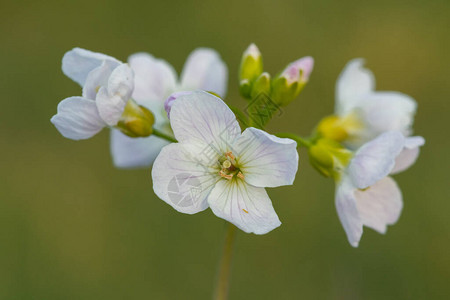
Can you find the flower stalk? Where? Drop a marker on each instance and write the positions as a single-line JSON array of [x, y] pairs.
[[224, 271], [162, 135]]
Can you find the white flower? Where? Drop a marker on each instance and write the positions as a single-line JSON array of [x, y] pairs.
[[155, 80], [365, 194], [373, 112], [107, 87], [215, 165]]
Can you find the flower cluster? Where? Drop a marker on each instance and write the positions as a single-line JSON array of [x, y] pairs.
[[206, 153]]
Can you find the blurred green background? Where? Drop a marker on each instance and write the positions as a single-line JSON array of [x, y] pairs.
[[74, 227]]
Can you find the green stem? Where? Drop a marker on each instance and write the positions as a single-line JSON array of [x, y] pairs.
[[223, 275], [164, 136], [305, 142]]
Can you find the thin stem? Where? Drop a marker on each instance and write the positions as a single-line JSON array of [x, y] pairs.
[[164, 136], [223, 275], [305, 142]]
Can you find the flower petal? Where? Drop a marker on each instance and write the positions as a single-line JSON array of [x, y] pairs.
[[169, 101], [375, 159], [77, 63], [409, 154], [205, 70], [98, 78], [246, 206], [180, 180], [348, 212], [77, 118], [205, 120], [266, 160], [130, 152], [380, 205], [111, 100], [386, 111], [354, 82], [154, 78]]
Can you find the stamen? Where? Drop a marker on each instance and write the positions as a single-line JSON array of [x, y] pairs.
[[227, 176], [240, 175], [245, 211], [230, 155]]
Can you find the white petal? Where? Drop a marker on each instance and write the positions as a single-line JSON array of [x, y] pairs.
[[246, 206], [205, 120], [111, 100], [98, 78], [205, 70], [77, 118], [348, 212], [375, 159], [180, 180], [154, 78], [380, 205], [171, 100], [354, 82], [121, 81], [409, 154], [386, 111], [266, 160], [130, 152], [77, 63]]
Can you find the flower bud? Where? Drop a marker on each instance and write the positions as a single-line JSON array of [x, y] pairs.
[[251, 68], [261, 85], [338, 128], [136, 120], [289, 84], [299, 70], [329, 157]]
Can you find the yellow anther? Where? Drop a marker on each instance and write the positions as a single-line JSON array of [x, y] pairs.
[[245, 211], [230, 155], [226, 176], [240, 175]]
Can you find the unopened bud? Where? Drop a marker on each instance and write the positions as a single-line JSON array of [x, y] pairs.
[[136, 120], [329, 157], [289, 84], [261, 85], [338, 128], [251, 68]]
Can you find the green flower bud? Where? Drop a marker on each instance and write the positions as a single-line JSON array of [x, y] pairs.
[[338, 128], [136, 120], [283, 92], [329, 157], [251, 68], [261, 85]]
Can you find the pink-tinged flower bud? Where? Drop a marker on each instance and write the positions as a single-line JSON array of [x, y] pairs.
[[299, 70], [169, 101], [288, 85]]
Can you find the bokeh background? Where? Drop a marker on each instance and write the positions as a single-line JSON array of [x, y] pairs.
[[74, 227]]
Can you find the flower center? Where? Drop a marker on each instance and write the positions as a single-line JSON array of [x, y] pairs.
[[228, 167]]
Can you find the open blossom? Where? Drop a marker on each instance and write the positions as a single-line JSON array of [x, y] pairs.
[[365, 113], [155, 80], [107, 87], [365, 193], [215, 165]]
